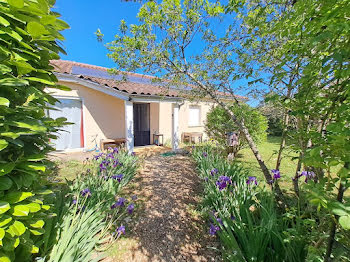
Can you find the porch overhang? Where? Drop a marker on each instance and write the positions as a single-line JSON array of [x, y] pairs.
[[155, 99]]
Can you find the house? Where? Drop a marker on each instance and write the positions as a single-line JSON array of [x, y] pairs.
[[101, 106]]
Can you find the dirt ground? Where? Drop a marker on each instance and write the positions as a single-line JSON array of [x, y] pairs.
[[168, 226], [142, 151]]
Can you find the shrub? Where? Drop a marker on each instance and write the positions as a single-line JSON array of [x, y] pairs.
[[219, 123], [29, 34], [274, 115]]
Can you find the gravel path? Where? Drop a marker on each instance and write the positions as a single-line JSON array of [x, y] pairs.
[[168, 228]]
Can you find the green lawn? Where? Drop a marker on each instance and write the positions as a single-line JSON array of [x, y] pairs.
[[69, 169], [269, 151]]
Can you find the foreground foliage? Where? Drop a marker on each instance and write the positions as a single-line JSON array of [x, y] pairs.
[[91, 211], [29, 32], [250, 226]]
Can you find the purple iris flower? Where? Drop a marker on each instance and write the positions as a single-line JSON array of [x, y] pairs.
[[223, 182], [118, 177], [115, 163], [206, 179], [110, 155], [133, 154], [119, 203], [85, 192], [121, 230], [276, 174], [308, 175], [219, 220], [252, 179], [134, 197], [102, 167], [214, 171], [233, 217], [98, 156], [105, 162], [116, 150], [213, 229], [130, 208], [74, 201], [205, 154]]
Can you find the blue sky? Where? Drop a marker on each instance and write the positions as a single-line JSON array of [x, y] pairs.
[[84, 17]]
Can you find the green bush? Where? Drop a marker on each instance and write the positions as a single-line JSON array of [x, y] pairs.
[[219, 123], [28, 34]]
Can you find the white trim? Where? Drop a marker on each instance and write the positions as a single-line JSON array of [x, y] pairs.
[[154, 99], [175, 131], [129, 125], [67, 97], [90, 84]]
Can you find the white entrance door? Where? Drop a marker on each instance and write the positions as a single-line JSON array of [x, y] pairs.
[[71, 136]]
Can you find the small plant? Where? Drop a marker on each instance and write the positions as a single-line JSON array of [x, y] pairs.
[[244, 215], [94, 210]]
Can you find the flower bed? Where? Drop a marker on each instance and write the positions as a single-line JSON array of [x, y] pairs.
[[91, 213], [243, 214]]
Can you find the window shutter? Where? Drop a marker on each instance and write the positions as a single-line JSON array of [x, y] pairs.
[[194, 116]]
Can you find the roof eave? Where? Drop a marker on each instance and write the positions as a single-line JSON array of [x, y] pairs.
[[93, 85]]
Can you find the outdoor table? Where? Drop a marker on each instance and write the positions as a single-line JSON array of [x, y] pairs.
[[115, 142], [191, 137]]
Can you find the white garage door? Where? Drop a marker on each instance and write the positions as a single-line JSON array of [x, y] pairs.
[[71, 137]]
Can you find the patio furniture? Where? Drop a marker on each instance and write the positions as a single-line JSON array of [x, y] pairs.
[[114, 142], [191, 137], [156, 139]]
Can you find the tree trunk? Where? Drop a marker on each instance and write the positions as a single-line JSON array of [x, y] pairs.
[[332, 231], [296, 176], [284, 132], [283, 142]]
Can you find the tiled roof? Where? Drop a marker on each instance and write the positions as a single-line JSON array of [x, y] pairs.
[[136, 84]]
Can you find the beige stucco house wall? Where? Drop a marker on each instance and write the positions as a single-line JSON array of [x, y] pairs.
[[102, 107], [165, 118], [103, 115]]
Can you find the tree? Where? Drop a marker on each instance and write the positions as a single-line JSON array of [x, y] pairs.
[[312, 38], [29, 34], [159, 45], [297, 49], [219, 124]]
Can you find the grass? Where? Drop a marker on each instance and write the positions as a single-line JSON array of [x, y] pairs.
[[269, 151], [69, 169]]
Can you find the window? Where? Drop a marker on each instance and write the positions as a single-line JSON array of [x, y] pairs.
[[195, 116]]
